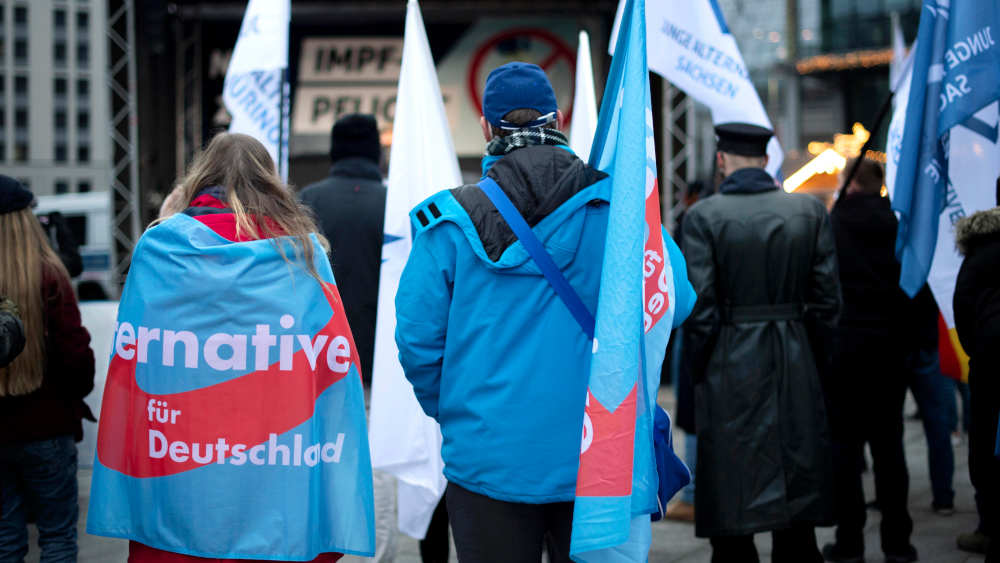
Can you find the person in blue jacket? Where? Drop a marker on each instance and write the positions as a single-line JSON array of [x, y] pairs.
[[492, 352]]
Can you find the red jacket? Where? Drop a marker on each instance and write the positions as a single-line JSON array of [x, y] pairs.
[[224, 224], [57, 407]]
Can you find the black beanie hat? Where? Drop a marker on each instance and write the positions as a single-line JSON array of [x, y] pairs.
[[13, 196], [355, 134]]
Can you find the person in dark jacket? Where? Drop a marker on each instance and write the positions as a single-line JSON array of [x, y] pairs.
[[493, 353], [350, 209], [11, 332], [42, 390], [977, 319], [763, 264], [869, 374], [63, 242]]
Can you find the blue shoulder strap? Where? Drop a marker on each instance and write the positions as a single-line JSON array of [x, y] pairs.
[[534, 247]]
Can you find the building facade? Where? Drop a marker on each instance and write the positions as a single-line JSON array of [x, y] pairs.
[[54, 110]]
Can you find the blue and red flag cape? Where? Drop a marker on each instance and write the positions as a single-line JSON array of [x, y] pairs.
[[617, 482], [233, 422]]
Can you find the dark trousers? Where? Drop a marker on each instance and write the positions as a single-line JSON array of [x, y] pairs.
[[793, 545], [39, 477], [434, 547], [984, 467], [866, 395], [487, 530]]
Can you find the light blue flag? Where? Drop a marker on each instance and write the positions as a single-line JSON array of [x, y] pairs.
[[617, 482], [233, 421], [957, 60]]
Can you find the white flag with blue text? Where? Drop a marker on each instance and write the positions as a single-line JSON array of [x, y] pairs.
[[255, 90], [973, 157], [404, 440], [954, 78], [689, 44]]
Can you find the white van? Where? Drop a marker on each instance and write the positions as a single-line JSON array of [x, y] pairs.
[[89, 218]]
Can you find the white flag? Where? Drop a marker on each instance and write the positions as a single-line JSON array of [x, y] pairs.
[[255, 90], [584, 121], [405, 441], [689, 44]]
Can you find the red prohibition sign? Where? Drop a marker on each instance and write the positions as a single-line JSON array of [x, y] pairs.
[[559, 52]]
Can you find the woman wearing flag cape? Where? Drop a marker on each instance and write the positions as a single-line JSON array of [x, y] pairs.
[[232, 424]]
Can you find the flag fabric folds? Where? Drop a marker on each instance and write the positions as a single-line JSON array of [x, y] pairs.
[[690, 45], [584, 121], [227, 409], [405, 441], [954, 77], [617, 481], [255, 90], [946, 260]]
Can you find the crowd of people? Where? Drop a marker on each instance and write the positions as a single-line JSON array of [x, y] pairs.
[[789, 323]]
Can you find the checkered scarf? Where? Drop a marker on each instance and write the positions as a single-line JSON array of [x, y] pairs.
[[500, 146]]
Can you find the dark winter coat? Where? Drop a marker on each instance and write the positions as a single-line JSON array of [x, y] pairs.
[[977, 320], [350, 208], [61, 238], [864, 228], [11, 337], [977, 292], [764, 267], [977, 310], [57, 407]]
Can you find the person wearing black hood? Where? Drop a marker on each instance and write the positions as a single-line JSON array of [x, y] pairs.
[[977, 319], [869, 375], [763, 264], [350, 209]]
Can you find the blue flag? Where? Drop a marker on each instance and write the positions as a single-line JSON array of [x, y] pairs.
[[617, 483], [233, 422], [957, 61]]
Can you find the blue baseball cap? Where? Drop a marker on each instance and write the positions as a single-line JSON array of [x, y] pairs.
[[518, 86]]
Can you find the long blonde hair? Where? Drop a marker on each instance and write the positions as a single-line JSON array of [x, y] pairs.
[[25, 257], [241, 166]]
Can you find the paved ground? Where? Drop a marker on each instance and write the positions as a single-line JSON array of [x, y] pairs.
[[934, 536]]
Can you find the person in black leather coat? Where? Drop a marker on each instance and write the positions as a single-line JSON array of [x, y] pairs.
[[764, 267]]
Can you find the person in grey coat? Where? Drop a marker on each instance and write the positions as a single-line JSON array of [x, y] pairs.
[[764, 266]]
